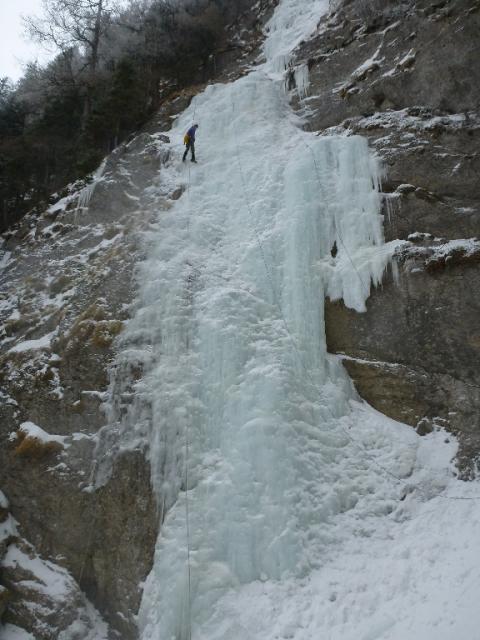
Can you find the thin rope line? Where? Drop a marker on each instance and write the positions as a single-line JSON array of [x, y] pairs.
[[92, 527], [187, 453], [187, 521]]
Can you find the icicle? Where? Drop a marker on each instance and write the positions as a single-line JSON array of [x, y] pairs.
[[88, 190], [302, 80]]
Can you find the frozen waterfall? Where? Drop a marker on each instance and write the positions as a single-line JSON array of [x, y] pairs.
[[286, 469], [237, 282]]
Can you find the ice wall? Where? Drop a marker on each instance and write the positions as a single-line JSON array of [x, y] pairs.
[[235, 287], [239, 400], [292, 22]]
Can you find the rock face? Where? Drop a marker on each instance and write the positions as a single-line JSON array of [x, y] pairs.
[[404, 74], [66, 293]]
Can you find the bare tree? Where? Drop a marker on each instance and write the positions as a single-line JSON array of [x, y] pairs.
[[70, 25], [67, 24]]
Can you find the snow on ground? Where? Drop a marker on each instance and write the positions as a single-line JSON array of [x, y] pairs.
[[45, 586], [76, 631], [88, 627], [12, 632], [50, 579], [414, 574], [310, 515]]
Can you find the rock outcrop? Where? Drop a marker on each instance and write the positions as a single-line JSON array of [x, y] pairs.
[[66, 294], [404, 74]]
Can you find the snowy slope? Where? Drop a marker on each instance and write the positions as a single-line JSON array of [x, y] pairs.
[[308, 514]]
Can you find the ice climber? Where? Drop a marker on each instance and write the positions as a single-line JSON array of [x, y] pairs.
[[189, 141]]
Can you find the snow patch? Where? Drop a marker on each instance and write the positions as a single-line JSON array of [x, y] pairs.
[[468, 247], [407, 60], [32, 430], [371, 64], [34, 345], [52, 580], [402, 120], [12, 632], [5, 258]]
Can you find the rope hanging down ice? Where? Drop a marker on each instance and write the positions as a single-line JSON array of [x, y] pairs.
[[187, 511]]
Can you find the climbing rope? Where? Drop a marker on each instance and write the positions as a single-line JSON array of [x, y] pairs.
[[91, 483], [187, 456], [187, 524]]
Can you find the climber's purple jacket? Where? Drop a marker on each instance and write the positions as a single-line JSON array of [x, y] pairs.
[[191, 133]]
